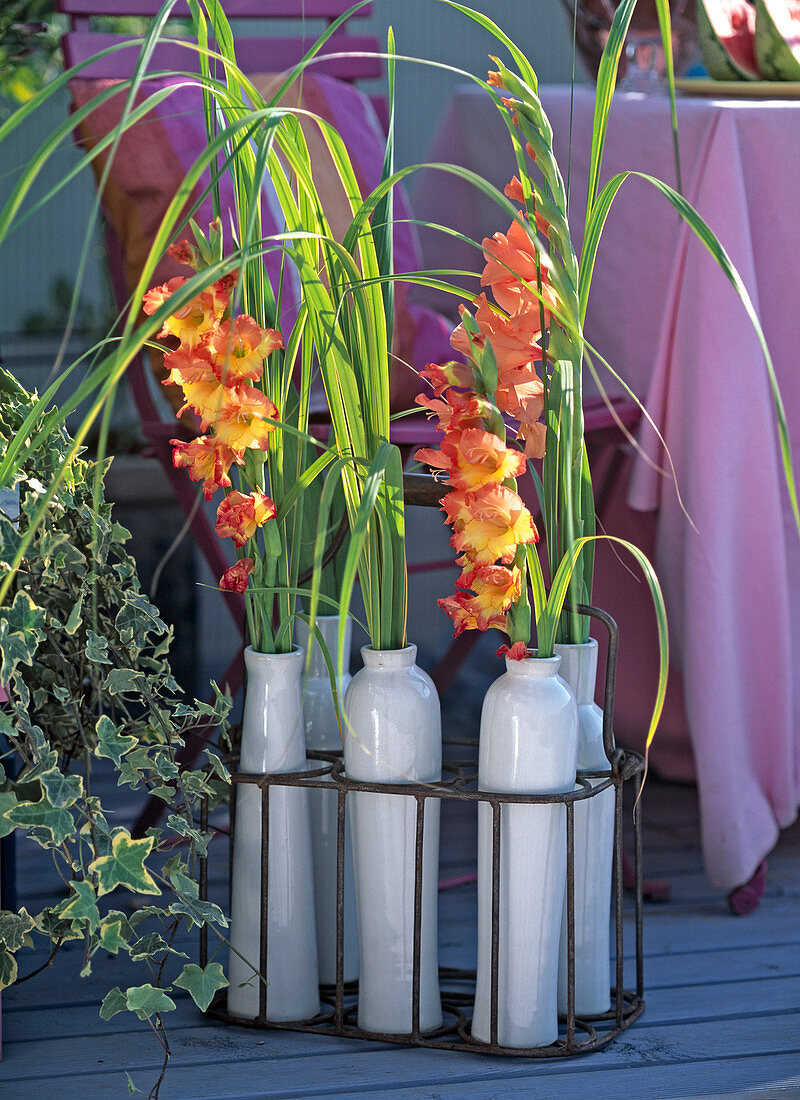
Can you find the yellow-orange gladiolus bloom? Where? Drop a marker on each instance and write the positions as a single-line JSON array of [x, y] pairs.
[[238, 348], [194, 319], [207, 460], [474, 457], [495, 589], [462, 611], [245, 419], [488, 524], [202, 390], [495, 586], [240, 516]]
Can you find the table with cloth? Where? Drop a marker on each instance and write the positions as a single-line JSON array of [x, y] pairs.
[[663, 315]]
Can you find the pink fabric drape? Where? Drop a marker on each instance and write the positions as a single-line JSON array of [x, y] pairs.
[[666, 319]]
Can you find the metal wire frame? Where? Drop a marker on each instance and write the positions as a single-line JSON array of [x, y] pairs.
[[581, 1035]]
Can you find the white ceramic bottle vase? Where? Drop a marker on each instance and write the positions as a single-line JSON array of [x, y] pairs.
[[273, 741], [393, 736], [594, 847], [528, 745], [322, 733]]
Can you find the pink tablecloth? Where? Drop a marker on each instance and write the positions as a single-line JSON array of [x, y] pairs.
[[666, 319]]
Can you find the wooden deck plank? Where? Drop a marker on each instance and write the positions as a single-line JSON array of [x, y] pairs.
[[722, 1016], [204, 1067], [745, 1004]]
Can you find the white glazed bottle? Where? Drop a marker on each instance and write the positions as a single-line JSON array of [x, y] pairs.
[[594, 847], [322, 733], [273, 741], [393, 736], [528, 745]]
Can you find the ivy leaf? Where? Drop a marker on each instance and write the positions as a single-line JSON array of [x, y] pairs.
[[137, 618], [14, 927], [110, 742], [8, 801], [21, 631], [198, 912], [124, 866], [62, 790], [195, 784], [111, 933], [9, 536], [146, 1000], [82, 907], [8, 969], [152, 944], [165, 793], [58, 822], [114, 1001], [75, 619], [201, 983], [97, 649], [51, 924], [24, 617], [121, 681]]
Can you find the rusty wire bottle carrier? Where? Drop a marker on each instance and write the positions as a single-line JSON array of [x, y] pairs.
[[579, 1035]]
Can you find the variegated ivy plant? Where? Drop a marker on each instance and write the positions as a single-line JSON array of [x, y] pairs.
[[87, 684]]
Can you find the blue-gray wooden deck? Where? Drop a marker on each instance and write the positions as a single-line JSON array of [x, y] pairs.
[[722, 1015]]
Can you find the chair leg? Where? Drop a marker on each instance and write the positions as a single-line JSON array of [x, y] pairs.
[[744, 899]]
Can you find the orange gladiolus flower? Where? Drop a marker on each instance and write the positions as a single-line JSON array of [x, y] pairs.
[[520, 393], [207, 460], [513, 191], [442, 375], [194, 373], [462, 611], [194, 319], [517, 652], [474, 457], [457, 411], [240, 516], [246, 417], [534, 437], [495, 587], [190, 366], [511, 263], [235, 579], [239, 347], [184, 252], [489, 524], [514, 339]]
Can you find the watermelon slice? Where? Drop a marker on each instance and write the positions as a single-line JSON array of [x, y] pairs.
[[778, 39], [726, 32]]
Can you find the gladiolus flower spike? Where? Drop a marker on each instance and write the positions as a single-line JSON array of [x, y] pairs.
[[501, 343], [219, 355]]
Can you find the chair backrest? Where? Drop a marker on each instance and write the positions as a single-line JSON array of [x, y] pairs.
[[261, 45]]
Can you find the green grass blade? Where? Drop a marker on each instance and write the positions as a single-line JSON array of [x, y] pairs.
[[606, 82]]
